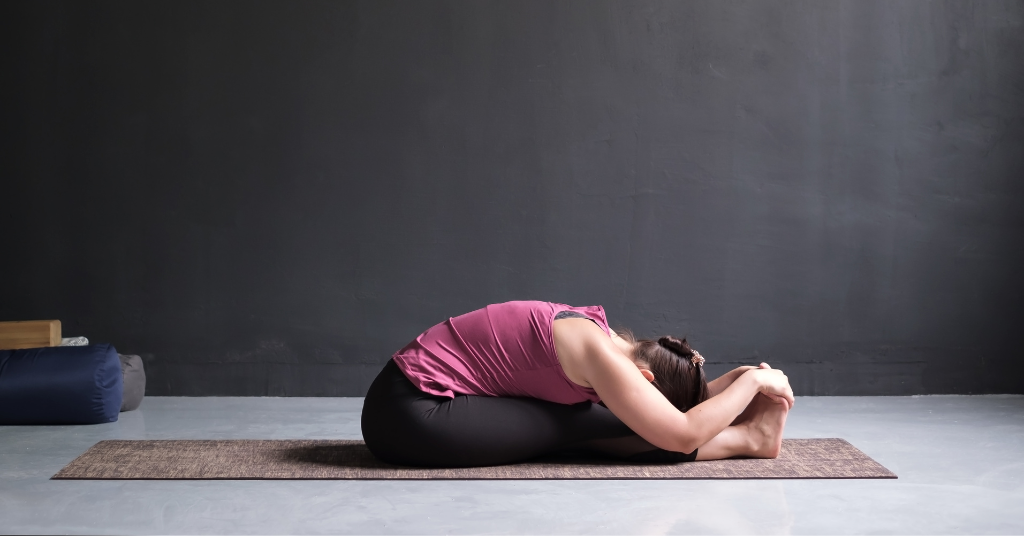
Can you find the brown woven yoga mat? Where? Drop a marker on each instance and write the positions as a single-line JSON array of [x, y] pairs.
[[342, 459]]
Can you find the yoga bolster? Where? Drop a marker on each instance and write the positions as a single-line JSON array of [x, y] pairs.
[[134, 381], [60, 385]]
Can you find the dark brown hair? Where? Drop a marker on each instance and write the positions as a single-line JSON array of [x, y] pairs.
[[675, 375]]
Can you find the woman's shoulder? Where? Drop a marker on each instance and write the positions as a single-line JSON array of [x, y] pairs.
[[577, 340]]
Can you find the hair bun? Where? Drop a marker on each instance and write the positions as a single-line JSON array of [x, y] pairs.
[[676, 346]]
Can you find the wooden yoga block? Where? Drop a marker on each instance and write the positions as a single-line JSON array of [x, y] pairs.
[[29, 334]]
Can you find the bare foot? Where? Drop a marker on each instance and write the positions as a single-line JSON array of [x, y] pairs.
[[765, 425], [753, 408]]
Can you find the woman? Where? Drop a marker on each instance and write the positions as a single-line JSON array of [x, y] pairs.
[[517, 380]]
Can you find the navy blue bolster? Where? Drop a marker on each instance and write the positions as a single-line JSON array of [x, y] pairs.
[[60, 385]]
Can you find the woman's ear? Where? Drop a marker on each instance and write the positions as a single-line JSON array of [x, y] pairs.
[[647, 374]]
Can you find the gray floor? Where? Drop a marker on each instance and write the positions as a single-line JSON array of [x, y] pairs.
[[958, 459]]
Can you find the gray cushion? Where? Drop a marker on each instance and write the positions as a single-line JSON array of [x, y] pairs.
[[134, 381]]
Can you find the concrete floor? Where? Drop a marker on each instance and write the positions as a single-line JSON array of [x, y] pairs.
[[958, 459]]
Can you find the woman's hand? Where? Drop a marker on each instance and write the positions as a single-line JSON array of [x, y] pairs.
[[774, 384], [725, 380]]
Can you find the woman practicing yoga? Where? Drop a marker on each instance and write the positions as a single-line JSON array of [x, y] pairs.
[[517, 380]]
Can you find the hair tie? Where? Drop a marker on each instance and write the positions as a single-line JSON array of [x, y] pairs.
[[697, 359]]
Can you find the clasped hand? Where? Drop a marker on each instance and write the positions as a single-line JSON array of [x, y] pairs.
[[774, 384]]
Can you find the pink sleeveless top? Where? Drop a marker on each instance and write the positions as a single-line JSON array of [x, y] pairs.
[[505, 349]]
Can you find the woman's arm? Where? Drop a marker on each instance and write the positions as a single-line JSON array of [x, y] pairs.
[[645, 410], [725, 380]]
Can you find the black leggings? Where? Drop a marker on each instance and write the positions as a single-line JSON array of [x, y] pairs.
[[405, 426]]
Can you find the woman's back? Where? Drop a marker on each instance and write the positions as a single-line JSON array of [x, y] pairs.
[[504, 349]]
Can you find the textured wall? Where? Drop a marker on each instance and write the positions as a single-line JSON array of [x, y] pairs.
[[270, 198]]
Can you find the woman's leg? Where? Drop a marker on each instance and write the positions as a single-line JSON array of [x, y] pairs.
[[757, 434], [404, 425]]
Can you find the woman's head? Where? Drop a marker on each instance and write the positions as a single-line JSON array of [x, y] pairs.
[[670, 361]]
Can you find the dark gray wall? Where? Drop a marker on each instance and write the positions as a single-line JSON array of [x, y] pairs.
[[270, 198]]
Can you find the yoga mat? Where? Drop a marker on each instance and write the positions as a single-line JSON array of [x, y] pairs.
[[248, 459]]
